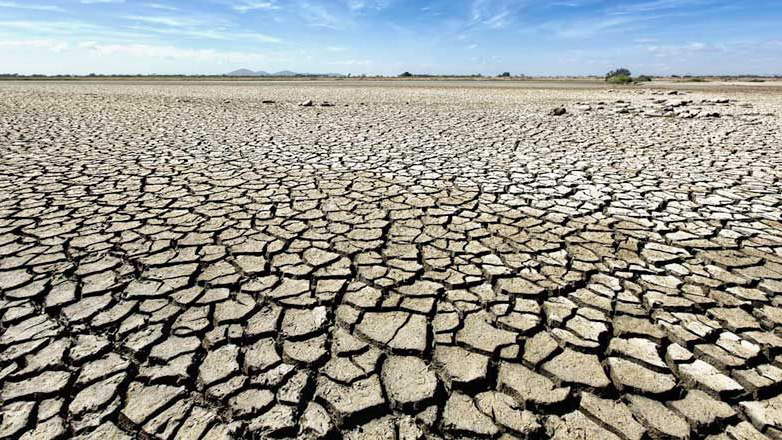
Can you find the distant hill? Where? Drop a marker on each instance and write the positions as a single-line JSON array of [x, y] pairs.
[[248, 72]]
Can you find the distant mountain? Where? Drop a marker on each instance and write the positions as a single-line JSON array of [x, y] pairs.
[[248, 72]]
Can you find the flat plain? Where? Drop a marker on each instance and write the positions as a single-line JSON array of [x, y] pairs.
[[208, 260]]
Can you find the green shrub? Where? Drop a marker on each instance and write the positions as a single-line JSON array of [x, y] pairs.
[[643, 78], [618, 72], [619, 79]]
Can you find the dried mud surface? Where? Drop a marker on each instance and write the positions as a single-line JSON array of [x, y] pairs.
[[185, 261]]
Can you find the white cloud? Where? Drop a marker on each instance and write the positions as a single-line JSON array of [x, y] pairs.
[[316, 15], [589, 27], [358, 5], [172, 53], [160, 6], [654, 6], [166, 21], [669, 51], [569, 4], [336, 49], [53, 45], [15, 5], [247, 6], [92, 2], [48, 27], [350, 63], [209, 34], [497, 21], [494, 14]]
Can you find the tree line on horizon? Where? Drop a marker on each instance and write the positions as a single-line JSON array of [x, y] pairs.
[[620, 76]]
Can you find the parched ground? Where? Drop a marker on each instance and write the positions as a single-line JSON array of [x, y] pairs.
[[421, 260]]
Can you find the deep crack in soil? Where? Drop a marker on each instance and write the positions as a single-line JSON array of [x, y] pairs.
[[185, 261]]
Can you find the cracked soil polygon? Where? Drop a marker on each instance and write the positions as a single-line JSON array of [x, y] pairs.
[[445, 260]]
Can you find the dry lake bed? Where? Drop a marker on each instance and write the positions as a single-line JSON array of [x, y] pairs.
[[185, 260]]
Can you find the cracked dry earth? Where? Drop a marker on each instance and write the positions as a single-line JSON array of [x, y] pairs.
[[184, 261]]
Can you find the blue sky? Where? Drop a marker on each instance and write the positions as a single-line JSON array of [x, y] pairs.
[[559, 37]]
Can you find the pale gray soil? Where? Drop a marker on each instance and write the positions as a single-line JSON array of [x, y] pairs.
[[182, 260]]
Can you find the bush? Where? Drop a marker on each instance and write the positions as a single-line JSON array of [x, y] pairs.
[[504, 75], [618, 72], [619, 79], [406, 75], [643, 78]]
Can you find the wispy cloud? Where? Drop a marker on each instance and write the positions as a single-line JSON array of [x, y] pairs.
[[350, 63], [247, 6], [53, 45], [169, 52], [316, 15], [570, 3], [584, 28], [163, 20], [531, 36], [196, 27], [498, 20], [684, 50], [494, 14], [360, 5], [656, 6], [47, 27], [161, 6], [30, 7], [209, 34]]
